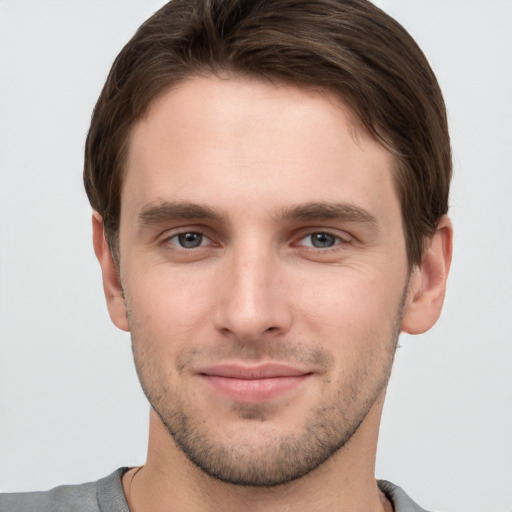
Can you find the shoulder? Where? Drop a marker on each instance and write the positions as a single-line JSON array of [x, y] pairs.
[[100, 496], [397, 496]]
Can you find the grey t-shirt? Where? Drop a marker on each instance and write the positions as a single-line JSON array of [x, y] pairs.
[[106, 495]]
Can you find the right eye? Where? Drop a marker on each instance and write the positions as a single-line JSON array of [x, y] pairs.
[[189, 240]]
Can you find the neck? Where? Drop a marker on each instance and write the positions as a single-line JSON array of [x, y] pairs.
[[345, 482]]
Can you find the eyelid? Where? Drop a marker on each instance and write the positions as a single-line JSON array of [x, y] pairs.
[[168, 235], [175, 240], [343, 238]]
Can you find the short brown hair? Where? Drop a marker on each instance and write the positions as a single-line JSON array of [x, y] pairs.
[[347, 46]]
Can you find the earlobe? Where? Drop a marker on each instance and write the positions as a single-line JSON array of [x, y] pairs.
[[111, 283], [427, 285]]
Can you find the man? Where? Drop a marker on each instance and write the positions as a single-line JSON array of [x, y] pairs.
[[270, 186]]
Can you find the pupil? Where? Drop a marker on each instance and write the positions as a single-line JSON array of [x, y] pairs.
[[190, 240], [322, 240]]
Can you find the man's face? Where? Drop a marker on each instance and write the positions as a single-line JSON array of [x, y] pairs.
[[264, 269]]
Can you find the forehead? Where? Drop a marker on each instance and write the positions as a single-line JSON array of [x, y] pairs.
[[217, 141]]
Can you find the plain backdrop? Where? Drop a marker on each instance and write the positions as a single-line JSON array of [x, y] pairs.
[[70, 405]]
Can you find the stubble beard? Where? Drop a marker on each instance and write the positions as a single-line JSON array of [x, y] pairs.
[[282, 458]]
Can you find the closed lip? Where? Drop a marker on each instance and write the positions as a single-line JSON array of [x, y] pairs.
[[253, 372], [253, 383]]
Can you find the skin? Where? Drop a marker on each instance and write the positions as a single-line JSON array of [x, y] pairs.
[[295, 256]]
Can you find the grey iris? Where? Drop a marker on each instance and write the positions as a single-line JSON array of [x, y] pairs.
[[190, 240], [322, 240]]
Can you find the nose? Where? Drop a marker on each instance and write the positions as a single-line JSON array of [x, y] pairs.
[[252, 302]]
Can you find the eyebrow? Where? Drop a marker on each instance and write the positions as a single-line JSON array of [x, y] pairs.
[[157, 213], [325, 211]]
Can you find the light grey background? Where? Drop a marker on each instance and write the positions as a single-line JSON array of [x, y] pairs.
[[70, 406]]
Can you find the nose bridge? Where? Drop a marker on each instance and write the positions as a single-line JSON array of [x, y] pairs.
[[252, 302]]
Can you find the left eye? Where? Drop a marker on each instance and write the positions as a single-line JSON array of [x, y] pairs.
[[320, 240], [189, 240]]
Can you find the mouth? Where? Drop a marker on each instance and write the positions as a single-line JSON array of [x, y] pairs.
[[254, 384]]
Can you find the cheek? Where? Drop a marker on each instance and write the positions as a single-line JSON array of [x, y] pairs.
[[348, 293], [168, 306], [352, 310]]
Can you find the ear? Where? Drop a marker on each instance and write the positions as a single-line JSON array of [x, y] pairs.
[[427, 285], [111, 282]]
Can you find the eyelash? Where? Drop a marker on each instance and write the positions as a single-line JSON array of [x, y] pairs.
[[336, 239], [177, 236], [177, 240]]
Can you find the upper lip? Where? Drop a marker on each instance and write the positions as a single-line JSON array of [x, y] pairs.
[[253, 372]]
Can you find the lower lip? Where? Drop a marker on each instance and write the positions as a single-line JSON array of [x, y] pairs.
[[254, 390]]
